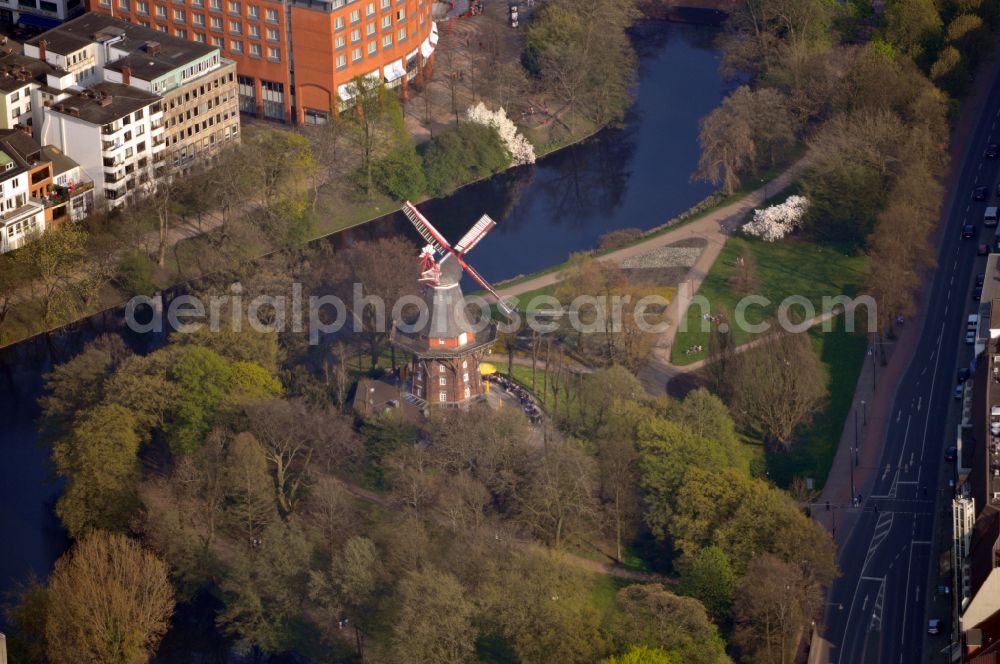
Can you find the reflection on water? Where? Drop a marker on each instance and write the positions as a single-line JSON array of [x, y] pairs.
[[636, 176]]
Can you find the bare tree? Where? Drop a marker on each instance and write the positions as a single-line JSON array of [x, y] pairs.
[[110, 601]]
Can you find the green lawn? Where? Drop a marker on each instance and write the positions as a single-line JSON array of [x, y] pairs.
[[786, 268]]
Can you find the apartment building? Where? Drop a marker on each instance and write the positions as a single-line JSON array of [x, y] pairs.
[[144, 93], [114, 132], [296, 58]]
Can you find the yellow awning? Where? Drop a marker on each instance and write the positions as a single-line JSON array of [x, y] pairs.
[[485, 369]]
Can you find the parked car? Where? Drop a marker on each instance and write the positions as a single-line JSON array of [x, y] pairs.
[[977, 293], [963, 374], [944, 590], [951, 454], [970, 336], [968, 231], [980, 193], [934, 626], [992, 150], [959, 391], [980, 278], [983, 250]]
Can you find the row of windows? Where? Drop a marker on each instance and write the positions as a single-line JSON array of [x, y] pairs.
[[16, 111], [234, 8], [372, 49], [193, 130], [236, 46]]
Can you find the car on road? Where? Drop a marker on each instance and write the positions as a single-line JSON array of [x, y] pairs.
[[992, 150], [983, 250], [944, 590], [980, 193], [977, 293], [963, 374], [968, 231], [980, 278], [959, 391], [951, 454], [970, 336], [934, 626]]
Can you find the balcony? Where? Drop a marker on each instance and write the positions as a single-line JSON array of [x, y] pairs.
[[60, 194], [108, 129], [111, 162]]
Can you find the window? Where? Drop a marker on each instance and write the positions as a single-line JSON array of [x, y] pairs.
[[255, 50], [372, 48], [179, 15], [272, 34], [401, 15], [273, 54], [253, 11], [271, 15], [441, 368], [234, 7], [15, 96], [200, 38], [216, 22], [468, 392], [465, 364], [387, 41], [217, 41], [122, 5], [236, 46], [198, 19], [338, 23], [341, 61], [183, 34], [161, 28], [215, 4], [161, 11], [465, 377], [253, 30], [386, 22], [273, 95], [356, 55], [385, 4], [370, 29], [402, 34], [14, 112], [235, 27], [248, 94], [442, 381], [142, 7], [355, 36], [442, 396], [370, 9], [355, 16]]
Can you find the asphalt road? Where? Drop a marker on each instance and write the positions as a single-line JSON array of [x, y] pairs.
[[878, 610]]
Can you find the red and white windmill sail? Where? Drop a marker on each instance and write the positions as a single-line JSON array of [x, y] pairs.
[[471, 238]]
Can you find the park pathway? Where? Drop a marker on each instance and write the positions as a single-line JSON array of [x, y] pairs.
[[715, 227]]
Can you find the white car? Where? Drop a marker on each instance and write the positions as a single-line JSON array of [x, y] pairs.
[[970, 336], [934, 626]]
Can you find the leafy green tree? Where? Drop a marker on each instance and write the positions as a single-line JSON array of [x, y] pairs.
[[654, 617], [400, 172], [249, 490], [708, 577], [643, 655], [109, 600], [277, 162], [435, 622], [461, 154], [759, 32], [348, 588], [99, 459], [910, 25], [264, 589], [598, 393], [26, 613]]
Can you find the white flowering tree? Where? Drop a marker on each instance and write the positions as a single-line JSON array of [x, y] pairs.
[[521, 150], [775, 222]]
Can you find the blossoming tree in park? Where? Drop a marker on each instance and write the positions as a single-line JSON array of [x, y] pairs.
[[521, 150], [775, 222]]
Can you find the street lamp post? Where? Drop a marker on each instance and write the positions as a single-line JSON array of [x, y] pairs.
[[864, 412], [855, 436], [854, 494]]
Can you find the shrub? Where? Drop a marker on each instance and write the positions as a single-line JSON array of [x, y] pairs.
[[619, 238], [462, 154], [135, 274]]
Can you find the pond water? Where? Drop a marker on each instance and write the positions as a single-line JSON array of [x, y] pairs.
[[636, 176]]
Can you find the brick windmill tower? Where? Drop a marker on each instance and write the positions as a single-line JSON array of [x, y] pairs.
[[446, 348]]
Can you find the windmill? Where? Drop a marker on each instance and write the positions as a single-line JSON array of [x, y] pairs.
[[446, 347]]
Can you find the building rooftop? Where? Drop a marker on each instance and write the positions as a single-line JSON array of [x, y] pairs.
[[150, 53], [61, 162], [105, 102], [16, 70], [22, 145]]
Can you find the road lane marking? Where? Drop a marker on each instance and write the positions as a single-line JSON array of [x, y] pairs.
[[902, 638], [927, 419]]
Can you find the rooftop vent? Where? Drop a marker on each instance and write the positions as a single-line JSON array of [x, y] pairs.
[[152, 47], [104, 101]]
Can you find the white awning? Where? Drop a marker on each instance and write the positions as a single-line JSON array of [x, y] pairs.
[[374, 75], [345, 92], [412, 54], [426, 49], [434, 34], [394, 71]]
